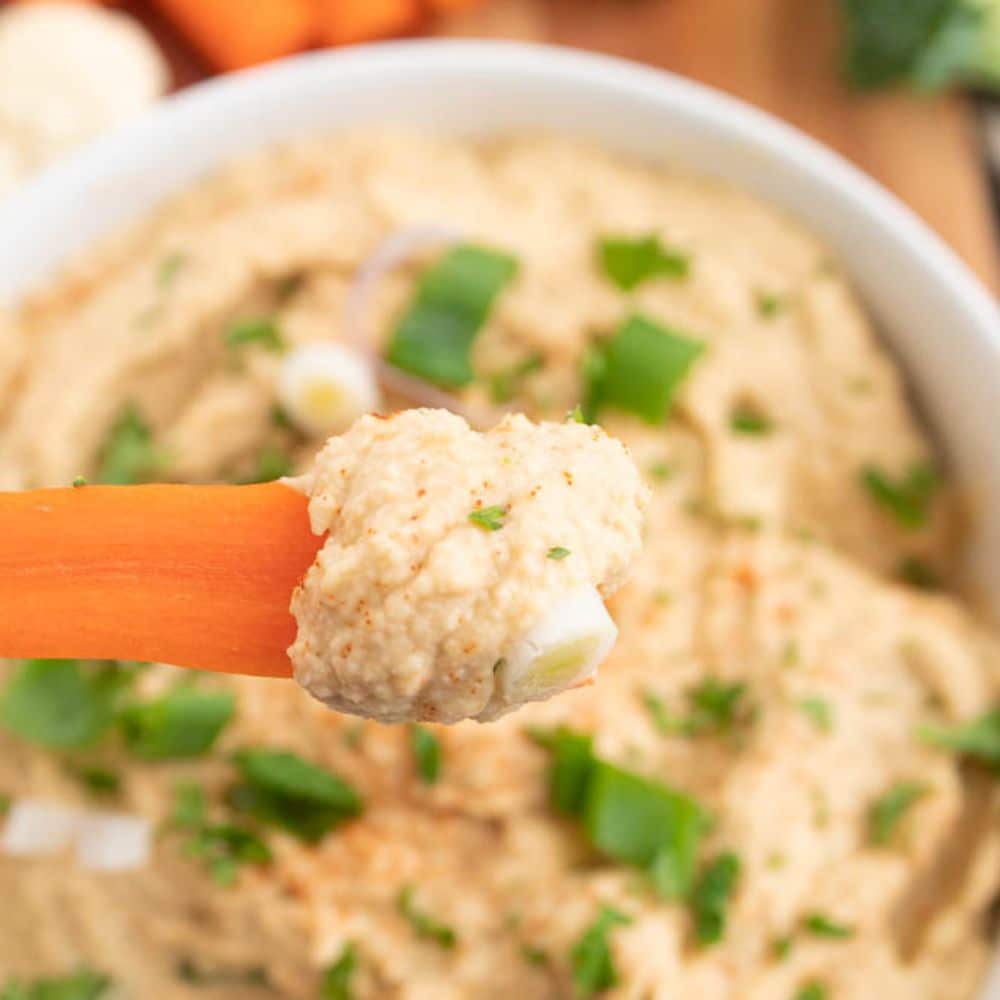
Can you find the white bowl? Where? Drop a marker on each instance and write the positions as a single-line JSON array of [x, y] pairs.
[[940, 322]]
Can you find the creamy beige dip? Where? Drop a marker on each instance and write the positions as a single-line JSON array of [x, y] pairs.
[[456, 577], [767, 567]]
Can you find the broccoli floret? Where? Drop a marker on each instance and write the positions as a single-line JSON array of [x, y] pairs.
[[926, 43]]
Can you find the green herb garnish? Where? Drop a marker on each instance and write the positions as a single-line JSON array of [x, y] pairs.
[[168, 269], [433, 340], [715, 706], [821, 925], [272, 464], [819, 712], [639, 369], [746, 419], [558, 553], [590, 959], [489, 518], [534, 955], [261, 331], [711, 896], [629, 261], [338, 979], [661, 471], [129, 454], [813, 990], [978, 738], [769, 305], [5, 803], [781, 948], [918, 573], [188, 971], [888, 810], [183, 723], [84, 984], [427, 753], [908, 499], [63, 704], [627, 817], [99, 781], [422, 923], [280, 787], [79, 481]]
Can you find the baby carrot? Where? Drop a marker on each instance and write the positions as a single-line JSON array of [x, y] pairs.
[[344, 21], [197, 576]]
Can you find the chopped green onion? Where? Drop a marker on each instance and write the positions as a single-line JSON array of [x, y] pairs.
[[338, 979], [434, 338], [819, 712], [96, 780], [489, 518], [534, 955], [888, 810], [182, 723], [745, 419], [558, 553], [639, 369], [576, 416], [662, 471], [261, 331], [908, 499], [427, 753], [769, 305], [629, 261], [590, 958], [422, 923], [505, 385], [84, 984], [188, 971], [781, 948], [821, 925], [813, 990], [711, 896], [917, 573], [63, 704], [224, 847], [129, 454], [79, 481], [168, 269], [280, 787], [978, 738], [272, 464]]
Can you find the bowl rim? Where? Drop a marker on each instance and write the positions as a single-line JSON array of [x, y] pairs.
[[751, 125]]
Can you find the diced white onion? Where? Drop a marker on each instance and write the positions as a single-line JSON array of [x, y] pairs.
[[113, 842], [35, 827], [563, 649], [324, 387]]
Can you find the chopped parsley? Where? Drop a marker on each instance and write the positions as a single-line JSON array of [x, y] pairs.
[[558, 553], [630, 261], [534, 955], [711, 896], [262, 331], [221, 847], [129, 454], [813, 990], [79, 481], [820, 925], [505, 385], [575, 416], [627, 817], [185, 722], [715, 707], [661, 471], [907, 499], [272, 464], [888, 810], [63, 704], [769, 305], [281, 788], [746, 419], [434, 338], [591, 960], [168, 269], [98, 781], [918, 573], [338, 979], [781, 947], [978, 738], [426, 753], [489, 518], [639, 369], [819, 712], [84, 984], [423, 924]]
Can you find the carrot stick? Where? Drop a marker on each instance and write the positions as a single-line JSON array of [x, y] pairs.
[[234, 34], [197, 576], [342, 22]]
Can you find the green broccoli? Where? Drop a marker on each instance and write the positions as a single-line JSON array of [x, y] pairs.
[[928, 44]]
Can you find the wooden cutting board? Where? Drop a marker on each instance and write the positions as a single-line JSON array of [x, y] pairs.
[[782, 56], [778, 54]]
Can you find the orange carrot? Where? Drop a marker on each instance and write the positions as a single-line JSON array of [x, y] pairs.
[[238, 33], [344, 21], [197, 576], [451, 6]]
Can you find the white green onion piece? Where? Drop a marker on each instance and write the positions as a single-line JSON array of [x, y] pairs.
[[562, 650]]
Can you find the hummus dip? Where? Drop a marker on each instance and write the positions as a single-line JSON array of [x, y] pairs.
[[764, 797], [462, 573]]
